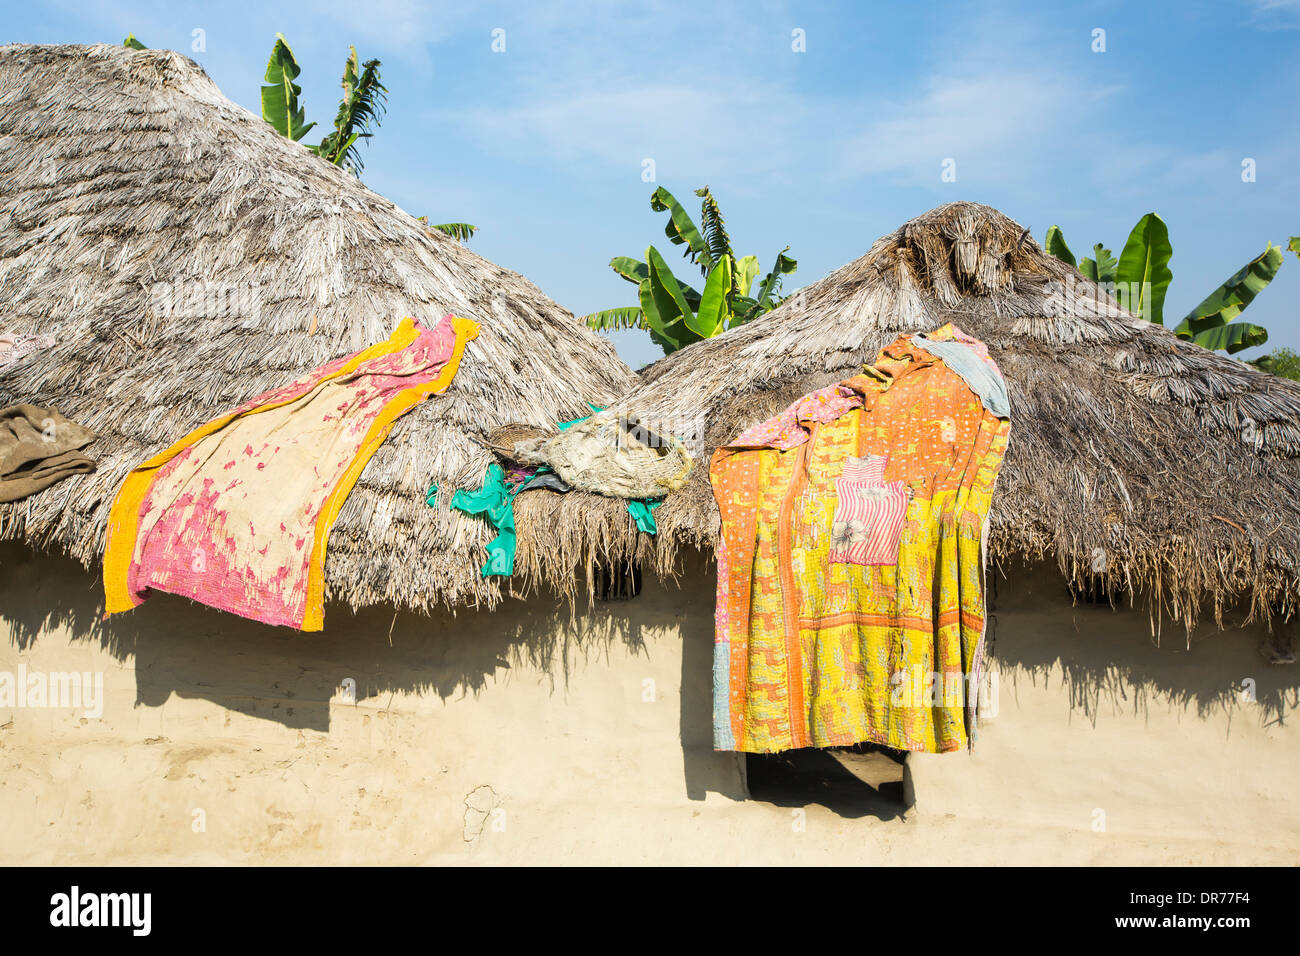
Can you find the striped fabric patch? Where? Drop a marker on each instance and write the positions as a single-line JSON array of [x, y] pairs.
[[869, 512]]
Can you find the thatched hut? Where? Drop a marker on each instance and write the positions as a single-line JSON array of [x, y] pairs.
[[185, 258], [1147, 483]]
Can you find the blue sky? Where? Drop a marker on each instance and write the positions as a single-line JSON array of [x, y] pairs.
[[542, 145]]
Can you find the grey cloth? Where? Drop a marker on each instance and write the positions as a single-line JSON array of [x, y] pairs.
[[978, 375], [547, 480]]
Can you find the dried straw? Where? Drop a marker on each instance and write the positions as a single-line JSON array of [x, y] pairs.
[[123, 173]]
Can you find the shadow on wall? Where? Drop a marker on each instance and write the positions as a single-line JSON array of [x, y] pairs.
[[1110, 659], [1107, 657], [182, 648], [690, 601]]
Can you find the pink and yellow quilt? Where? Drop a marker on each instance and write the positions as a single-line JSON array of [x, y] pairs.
[[237, 514], [813, 648]]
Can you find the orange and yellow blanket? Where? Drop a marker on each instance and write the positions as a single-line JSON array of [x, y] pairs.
[[813, 653], [237, 514]]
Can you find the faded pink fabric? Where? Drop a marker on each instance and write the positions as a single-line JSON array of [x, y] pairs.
[[869, 513], [231, 520], [957, 335], [787, 430], [14, 347], [790, 429]]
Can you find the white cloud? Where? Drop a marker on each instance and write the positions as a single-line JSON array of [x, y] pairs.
[[689, 131], [403, 28], [1275, 14], [991, 123]]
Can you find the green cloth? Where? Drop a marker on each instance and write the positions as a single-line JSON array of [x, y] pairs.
[[642, 510], [496, 501], [563, 425]]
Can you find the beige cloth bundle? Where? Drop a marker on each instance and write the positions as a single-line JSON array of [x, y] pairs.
[[611, 454]]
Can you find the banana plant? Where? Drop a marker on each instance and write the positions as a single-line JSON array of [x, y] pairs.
[[361, 108], [363, 103], [280, 95], [462, 231], [673, 312], [1141, 278]]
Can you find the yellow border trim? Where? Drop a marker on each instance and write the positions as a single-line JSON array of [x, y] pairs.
[[124, 516], [399, 405]]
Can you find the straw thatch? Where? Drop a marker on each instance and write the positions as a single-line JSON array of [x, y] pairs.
[[187, 258], [1137, 458]]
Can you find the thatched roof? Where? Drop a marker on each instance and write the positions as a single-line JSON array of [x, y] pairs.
[[1181, 464], [123, 173]]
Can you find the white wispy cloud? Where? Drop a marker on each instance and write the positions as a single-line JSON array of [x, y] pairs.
[[992, 122], [1002, 119], [1275, 14], [685, 129]]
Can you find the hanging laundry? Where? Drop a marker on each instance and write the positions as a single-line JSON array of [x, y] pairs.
[[237, 514], [39, 447], [970, 359], [812, 651], [14, 347], [611, 454], [495, 498]]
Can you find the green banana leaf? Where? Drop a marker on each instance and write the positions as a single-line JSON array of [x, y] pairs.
[[1294, 245], [280, 96], [1226, 302], [713, 228], [1106, 263], [712, 317], [630, 269], [668, 333], [1232, 337], [334, 154], [1143, 273], [463, 231], [1055, 244], [681, 229], [635, 272], [133, 43], [771, 283], [670, 304], [1102, 268], [630, 317], [743, 308], [746, 271]]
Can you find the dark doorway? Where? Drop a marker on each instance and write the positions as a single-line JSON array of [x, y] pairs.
[[857, 781], [619, 581]]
